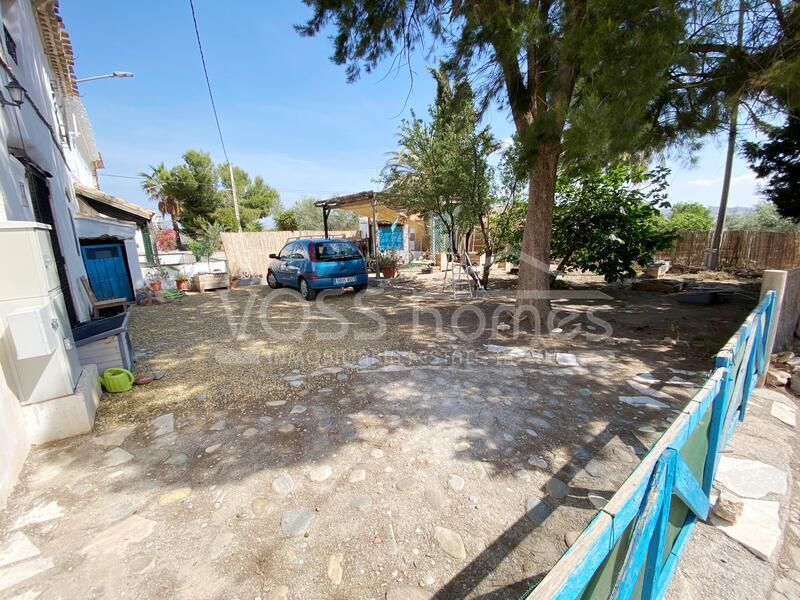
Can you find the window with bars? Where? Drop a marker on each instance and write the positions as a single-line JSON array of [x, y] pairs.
[[11, 45]]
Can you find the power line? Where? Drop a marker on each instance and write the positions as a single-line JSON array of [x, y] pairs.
[[140, 177], [216, 116], [208, 81]]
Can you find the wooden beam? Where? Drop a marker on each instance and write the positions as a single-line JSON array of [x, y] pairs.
[[375, 245]]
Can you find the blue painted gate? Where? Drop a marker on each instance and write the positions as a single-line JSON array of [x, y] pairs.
[[630, 549], [388, 239], [108, 274]]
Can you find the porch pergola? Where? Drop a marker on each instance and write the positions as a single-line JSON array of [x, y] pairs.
[[374, 206], [364, 204]]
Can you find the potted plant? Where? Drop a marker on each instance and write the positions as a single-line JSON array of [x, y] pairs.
[[234, 282], [387, 263], [182, 282], [155, 277], [206, 244]]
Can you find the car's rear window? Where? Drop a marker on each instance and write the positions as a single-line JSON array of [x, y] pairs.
[[336, 251]]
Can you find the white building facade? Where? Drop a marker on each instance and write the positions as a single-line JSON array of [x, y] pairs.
[[46, 146]]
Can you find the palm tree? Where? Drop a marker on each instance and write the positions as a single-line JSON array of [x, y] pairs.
[[154, 185]]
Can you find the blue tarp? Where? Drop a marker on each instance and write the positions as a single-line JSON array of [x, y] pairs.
[[390, 238]]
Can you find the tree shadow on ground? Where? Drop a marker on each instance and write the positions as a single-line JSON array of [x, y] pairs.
[[478, 404], [486, 563]]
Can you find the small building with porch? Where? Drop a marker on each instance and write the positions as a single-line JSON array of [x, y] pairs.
[[113, 234], [383, 227]]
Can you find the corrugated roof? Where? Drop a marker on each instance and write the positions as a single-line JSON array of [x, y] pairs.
[[91, 193], [361, 204], [349, 201]]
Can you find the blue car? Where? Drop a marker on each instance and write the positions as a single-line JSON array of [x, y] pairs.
[[312, 265]]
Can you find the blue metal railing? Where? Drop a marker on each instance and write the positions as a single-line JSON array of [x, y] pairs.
[[631, 547]]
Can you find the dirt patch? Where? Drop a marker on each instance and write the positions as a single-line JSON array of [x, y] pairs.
[[420, 447]]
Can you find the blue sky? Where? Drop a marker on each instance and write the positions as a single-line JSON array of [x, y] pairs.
[[287, 112]]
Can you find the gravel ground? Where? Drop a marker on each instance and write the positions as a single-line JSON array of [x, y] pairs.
[[385, 459]]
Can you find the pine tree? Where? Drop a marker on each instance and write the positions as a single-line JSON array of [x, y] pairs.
[[585, 82], [778, 162], [577, 77]]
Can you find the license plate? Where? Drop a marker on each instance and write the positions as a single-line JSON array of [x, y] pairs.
[[340, 280]]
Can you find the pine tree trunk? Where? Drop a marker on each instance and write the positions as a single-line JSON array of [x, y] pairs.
[[488, 256], [533, 287], [488, 253]]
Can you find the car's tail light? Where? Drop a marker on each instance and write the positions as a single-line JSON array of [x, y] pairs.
[[311, 253]]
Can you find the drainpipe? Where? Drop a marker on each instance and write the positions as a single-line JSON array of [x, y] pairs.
[[153, 243]]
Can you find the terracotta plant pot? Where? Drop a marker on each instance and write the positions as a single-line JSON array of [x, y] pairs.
[[182, 284], [389, 272], [155, 286], [234, 284]]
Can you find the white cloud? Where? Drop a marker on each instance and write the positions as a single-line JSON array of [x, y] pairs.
[[747, 178], [703, 182]]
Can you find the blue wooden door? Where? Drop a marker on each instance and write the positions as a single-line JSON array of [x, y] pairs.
[[389, 239], [108, 275]]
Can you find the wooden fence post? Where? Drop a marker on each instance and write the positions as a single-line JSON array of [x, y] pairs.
[[775, 281]]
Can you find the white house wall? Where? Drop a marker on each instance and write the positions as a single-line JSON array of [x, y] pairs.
[[80, 170], [23, 128], [14, 443], [134, 267], [140, 251]]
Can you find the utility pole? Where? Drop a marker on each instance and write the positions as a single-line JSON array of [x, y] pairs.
[[712, 259], [235, 199]]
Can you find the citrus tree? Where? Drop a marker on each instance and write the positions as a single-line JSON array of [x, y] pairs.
[[609, 220]]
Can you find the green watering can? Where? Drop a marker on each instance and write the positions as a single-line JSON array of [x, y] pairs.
[[117, 380]]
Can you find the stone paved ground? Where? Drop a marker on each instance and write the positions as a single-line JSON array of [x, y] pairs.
[[413, 465], [759, 557]]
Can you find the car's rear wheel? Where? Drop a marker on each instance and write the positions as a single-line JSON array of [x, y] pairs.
[[306, 291], [272, 281]]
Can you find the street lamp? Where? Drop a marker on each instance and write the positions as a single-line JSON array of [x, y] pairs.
[[15, 91], [108, 76]]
